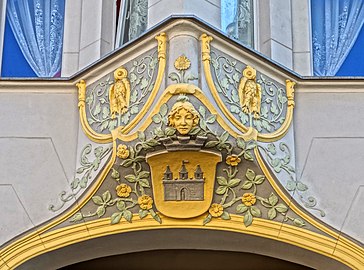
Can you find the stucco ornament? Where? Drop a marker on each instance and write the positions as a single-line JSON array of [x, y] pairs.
[[122, 151], [119, 93], [123, 190], [216, 210], [250, 92], [183, 116]]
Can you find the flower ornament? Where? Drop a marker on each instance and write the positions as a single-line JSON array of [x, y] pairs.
[[122, 151], [123, 190], [249, 199], [145, 202], [216, 210], [182, 63], [233, 160]]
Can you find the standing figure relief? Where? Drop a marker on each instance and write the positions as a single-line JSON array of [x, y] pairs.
[[119, 93], [250, 92]]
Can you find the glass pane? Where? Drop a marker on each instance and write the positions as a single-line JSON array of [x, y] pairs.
[[133, 20], [237, 20]]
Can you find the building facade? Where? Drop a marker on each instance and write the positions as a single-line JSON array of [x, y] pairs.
[[147, 85]]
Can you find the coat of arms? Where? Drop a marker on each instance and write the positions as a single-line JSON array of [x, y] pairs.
[[183, 175]]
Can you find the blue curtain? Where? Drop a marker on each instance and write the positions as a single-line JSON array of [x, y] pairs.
[[336, 25], [38, 29]]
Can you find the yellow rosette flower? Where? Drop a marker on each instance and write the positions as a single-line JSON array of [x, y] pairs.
[[182, 63], [249, 199], [216, 210], [145, 202], [233, 160], [123, 190], [122, 151]]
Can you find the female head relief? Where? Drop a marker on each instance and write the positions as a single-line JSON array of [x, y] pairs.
[[183, 116]]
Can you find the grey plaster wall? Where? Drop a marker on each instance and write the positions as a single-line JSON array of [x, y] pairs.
[[38, 142], [329, 153]]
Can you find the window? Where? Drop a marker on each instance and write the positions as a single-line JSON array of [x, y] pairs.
[[337, 37], [132, 21], [237, 20], [33, 38]]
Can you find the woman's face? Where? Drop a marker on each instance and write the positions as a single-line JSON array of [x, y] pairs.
[[183, 121]]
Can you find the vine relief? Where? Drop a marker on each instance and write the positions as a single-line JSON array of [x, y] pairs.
[[83, 173], [280, 159], [178, 152], [254, 99], [113, 102]]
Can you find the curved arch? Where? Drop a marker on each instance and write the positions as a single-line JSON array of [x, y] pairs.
[[52, 237], [178, 239]]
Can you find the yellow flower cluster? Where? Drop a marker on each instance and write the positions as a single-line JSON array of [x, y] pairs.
[[122, 151], [233, 160], [249, 199], [123, 190], [145, 202], [216, 210]]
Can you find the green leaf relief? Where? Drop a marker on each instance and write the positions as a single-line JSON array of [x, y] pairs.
[[207, 219], [169, 131], [222, 181], [221, 190], [255, 211], [115, 218], [97, 200], [76, 217], [291, 185], [272, 213], [281, 208], [211, 144], [250, 174], [143, 213], [225, 216], [240, 143], [141, 136], [211, 118], [273, 199], [100, 211], [298, 222], [202, 111], [259, 179], [241, 208], [163, 110], [156, 118], [106, 197], [120, 205], [301, 186], [248, 219], [144, 183], [247, 185], [234, 109], [248, 156], [234, 182], [130, 178], [128, 215]]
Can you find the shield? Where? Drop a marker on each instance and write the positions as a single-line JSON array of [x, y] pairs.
[[183, 181]]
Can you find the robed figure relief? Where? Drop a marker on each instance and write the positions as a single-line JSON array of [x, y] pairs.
[[119, 93], [250, 93]]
